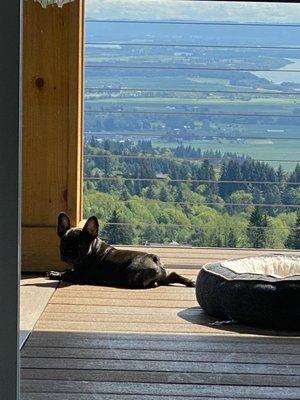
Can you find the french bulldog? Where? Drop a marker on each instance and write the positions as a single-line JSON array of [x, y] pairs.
[[95, 262]]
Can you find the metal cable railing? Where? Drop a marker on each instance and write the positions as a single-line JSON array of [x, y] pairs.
[[258, 228], [205, 181], [187, 45], [217, 204], [199, 114], [173, 157], [128, 89], [211, 23], [162, 67], [278, 123]]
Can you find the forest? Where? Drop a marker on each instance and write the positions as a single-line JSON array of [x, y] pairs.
[[192, 133], [183, 195]]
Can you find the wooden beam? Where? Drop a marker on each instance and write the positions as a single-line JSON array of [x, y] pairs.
[[52, 123]]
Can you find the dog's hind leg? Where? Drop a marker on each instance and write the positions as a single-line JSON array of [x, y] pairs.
[[54, 275], [173, 277], [70, 275]]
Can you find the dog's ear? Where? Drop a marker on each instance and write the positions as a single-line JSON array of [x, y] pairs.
[[63, 224], [91, 227]]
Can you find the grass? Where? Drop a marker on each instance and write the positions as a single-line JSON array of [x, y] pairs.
[[160, 82], [261, 149], [211, 101], [257, 149]]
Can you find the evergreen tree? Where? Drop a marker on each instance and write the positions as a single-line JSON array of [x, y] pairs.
[[256, 231], [93, 142], [125, 195], [231, 239], [216, 239], [130, 186], [137, 188], [163, 194], [117, 233], [179, 196], [280, 174], [295, 176], [293, 240], [230, 172], [150, 193]]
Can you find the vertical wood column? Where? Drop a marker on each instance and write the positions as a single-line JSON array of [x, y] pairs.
[[52, 127]]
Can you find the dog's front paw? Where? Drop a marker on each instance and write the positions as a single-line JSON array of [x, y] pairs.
[[53, 275], [191, 283]]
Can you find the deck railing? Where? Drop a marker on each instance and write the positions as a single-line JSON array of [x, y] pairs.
[[191, 133]]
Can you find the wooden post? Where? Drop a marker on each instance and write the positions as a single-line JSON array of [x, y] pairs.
[[52, 126]]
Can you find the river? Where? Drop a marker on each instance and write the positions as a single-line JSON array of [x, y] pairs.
[[279, 77]]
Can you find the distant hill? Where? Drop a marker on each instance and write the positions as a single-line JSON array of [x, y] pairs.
[[210, 34]]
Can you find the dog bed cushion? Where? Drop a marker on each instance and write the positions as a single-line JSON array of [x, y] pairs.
[[262, 290]]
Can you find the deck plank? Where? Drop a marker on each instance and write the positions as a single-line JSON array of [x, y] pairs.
[[160, 355], [35, 292], [162, 377], [94, 342], [123, 396], [141, 389], [169, 366]]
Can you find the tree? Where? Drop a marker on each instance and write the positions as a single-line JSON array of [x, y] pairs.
[[295, 176], [150, 192], [93, 142], [230, 172], [164, 194], [125, 195], [280, 174], [293, 240], [154, 234], [231, 240], [240, 201], [118, 230], [179, 196], [257, 228]]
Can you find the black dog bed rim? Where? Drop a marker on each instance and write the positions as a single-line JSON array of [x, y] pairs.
[[218, 269], [252, 298]]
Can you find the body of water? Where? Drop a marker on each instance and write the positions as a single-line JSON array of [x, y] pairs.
[[279, 77]]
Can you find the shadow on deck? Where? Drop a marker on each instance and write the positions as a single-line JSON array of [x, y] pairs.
[[96, 342]]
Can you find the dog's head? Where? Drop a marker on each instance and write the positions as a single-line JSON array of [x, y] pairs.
[[75, 242]]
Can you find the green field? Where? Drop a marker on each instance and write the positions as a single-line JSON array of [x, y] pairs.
[[276, 151], [211, 101], [264, 150]]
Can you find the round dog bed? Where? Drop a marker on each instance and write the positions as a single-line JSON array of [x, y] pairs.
[[262, 291]]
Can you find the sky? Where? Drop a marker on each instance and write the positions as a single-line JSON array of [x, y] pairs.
[[193, 10]]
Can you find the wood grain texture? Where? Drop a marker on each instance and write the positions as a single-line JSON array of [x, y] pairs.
[[52, 121], [168, 366], [187, 260], [34, 296], [162, 377], [141, 389], [94, 342], [40, 250], [160, 355], [123, 396], [221, 343], [166, 309]]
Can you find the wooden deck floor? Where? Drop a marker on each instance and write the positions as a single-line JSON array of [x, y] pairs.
[[108, 343]]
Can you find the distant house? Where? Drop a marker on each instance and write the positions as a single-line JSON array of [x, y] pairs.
[[162, 176]]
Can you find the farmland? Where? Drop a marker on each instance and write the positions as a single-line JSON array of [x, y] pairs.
[[158, 86]]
